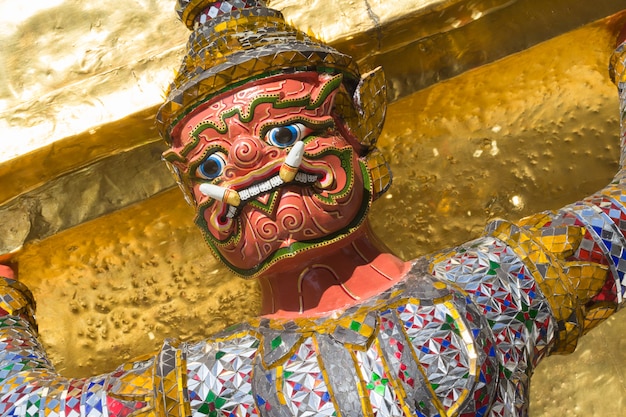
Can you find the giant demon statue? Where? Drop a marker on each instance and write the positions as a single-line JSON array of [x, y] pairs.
[[272, 139]]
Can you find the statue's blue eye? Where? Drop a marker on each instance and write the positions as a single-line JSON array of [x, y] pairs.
[[285, 136], [212, 166]]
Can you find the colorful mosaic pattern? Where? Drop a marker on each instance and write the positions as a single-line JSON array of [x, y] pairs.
[[421, 349], [30, 386], [518, 314], [303, 378], [219, 377], [302, 385], [378, 383]]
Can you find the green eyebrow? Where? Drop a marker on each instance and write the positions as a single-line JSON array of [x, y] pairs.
[[193, 166], [172, 156], [316, 125], [308, 102]]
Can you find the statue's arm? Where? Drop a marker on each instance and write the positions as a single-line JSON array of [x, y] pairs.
[[579, 251], [172, 382], [575, 258], [544, 281], [29, 384]]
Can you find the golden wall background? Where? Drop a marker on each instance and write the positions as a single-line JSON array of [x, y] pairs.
[[517, 134]]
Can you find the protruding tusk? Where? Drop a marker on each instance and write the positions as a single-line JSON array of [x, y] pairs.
[[289, 169], [222, 194]]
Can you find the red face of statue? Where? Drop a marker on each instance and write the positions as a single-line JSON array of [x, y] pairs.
[[251, 214]]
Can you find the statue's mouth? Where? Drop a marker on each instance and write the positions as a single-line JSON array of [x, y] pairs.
[[261, 189], [275, 182]]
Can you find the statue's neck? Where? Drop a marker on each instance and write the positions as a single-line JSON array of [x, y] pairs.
[[331, 278]]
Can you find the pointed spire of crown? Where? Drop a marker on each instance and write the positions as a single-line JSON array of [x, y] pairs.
[[236, 41]]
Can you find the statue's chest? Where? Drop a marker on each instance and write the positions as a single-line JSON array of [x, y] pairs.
[[420, 349], [413, 358]]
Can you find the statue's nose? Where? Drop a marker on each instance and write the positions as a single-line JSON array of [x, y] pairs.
[[246, 154]]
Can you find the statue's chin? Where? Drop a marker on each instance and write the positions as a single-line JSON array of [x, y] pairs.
[[265, 239], [289, 220]]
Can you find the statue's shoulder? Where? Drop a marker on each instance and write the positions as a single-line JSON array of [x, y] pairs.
[[251, 337], [235, 344], [245, 334], [419, 285]]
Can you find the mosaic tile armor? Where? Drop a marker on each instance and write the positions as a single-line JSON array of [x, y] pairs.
[[423, 348]]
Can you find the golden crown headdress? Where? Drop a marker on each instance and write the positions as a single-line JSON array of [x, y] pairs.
[[234, 42]]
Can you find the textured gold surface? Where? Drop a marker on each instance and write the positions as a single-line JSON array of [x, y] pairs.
[[71, 66], [78, 80], [40, 166], [531, 132], [68, 66], [116, 287], [352, 17]]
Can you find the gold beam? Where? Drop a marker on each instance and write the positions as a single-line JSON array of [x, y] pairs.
[[81, 82]]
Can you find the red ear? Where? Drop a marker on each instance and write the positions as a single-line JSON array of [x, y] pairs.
[[8, 266], [7, 272]]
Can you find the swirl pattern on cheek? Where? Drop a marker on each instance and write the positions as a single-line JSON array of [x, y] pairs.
[[266, 229], [291, 218], [273, 153]]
